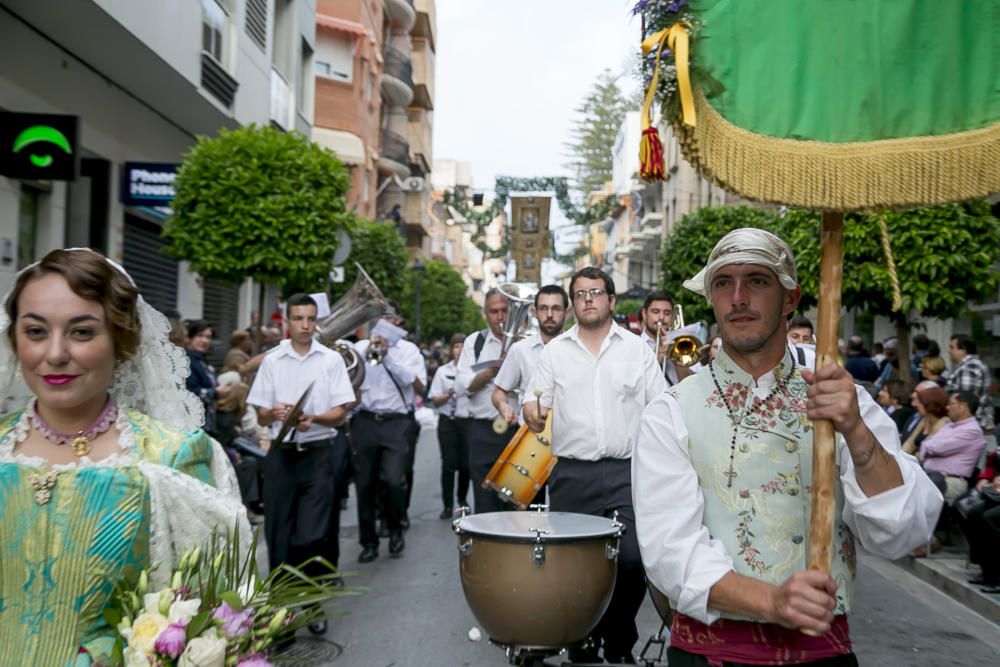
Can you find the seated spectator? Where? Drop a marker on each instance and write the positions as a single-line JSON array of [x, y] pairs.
[[889, 366], [949, 456], [858, 363], [239, 351], [931, 404], [894, 399], [981, 525], [934, 369], [921, 346]]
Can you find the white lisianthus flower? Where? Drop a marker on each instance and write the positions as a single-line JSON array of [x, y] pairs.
[[183, 610], [145, 630], [135, 658], [151, 602], [247, 590], [206, 650]]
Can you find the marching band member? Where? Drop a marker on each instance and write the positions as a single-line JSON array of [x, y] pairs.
[[722, 479], [383, 432], [597, 377], [485, 444], [550, 307], [657, 315], [299, 493], [452, 407]]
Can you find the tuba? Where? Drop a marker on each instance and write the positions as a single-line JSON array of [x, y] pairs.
[[520, 298], [359, 306], [685, 349]]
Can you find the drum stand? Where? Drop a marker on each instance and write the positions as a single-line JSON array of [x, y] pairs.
[[659, 640]]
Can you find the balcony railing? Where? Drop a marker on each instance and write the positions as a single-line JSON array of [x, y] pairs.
[[395, 148], [399, 66], [282, 109]]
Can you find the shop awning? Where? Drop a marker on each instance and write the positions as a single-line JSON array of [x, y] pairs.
[[347, 146]]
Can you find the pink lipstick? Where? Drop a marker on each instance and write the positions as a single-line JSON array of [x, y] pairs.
[[58, 379]]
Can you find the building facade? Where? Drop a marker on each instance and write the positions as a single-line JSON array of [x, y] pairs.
[[143, 79]]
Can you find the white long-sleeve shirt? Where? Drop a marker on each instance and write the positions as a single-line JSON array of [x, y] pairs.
[[444, 379], [596, 400], [681, 557], [480, 402], [378, 393]]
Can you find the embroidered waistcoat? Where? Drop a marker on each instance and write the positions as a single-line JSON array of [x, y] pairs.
[[763, 518]]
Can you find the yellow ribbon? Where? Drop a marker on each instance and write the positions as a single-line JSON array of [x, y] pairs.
[[676, 39]]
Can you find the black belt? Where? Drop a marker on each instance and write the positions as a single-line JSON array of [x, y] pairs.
[[384, 416], [309, 444]]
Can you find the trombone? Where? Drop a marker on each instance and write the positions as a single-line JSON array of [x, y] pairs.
[[685, 349]]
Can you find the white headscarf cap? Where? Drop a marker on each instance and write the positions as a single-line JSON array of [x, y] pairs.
[[747, 246]]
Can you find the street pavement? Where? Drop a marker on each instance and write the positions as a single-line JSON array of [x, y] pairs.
[[411, 611]]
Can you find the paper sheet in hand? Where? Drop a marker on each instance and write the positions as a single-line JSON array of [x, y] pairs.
[[389, 331]]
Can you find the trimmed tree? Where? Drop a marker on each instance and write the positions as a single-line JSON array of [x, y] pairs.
[[685, 252], [257, 202], [945, 258], [444, 307], [593, 135], [378, 247]]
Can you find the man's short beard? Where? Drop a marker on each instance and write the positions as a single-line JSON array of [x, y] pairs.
[[595, 325], [553, 331]]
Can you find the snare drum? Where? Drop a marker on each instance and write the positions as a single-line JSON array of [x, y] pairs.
[[538, 580], [522, 468]]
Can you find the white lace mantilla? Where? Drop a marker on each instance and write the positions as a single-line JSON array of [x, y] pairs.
[[185, 512]]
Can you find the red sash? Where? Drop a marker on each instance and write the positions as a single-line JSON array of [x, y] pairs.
[[751, 643]]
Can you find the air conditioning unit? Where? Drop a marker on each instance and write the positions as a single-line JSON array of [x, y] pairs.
[[413, 184]]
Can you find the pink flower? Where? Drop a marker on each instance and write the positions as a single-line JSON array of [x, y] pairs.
[[234, 623], [254, 661], [170, 642]]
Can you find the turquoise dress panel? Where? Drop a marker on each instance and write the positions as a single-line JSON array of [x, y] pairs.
[[61, 559]]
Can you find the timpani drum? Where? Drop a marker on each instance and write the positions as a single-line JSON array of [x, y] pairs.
[[537, 580]]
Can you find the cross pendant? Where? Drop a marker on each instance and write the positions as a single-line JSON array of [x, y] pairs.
[[729, 474]]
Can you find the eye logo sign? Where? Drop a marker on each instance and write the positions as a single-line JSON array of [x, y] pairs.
[[42, 133], [38, 146]]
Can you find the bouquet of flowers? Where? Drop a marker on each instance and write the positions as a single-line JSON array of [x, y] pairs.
[[216, 611]]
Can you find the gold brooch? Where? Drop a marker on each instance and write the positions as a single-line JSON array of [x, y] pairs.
[[43, 486]]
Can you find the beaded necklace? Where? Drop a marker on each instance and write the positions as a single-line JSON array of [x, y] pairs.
[[81, 440], [780, 383]]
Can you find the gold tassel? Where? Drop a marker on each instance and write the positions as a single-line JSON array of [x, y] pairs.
[[651, 158]]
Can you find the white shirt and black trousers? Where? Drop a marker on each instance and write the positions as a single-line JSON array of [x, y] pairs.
[[485, 445], [451, 438], [299, 475], [597, 402], [383, 432]]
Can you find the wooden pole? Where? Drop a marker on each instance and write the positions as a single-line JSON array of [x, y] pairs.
[[824, 444]]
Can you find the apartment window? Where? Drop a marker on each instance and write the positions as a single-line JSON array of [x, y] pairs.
[[322, 68], [214, 25], [338, 56]]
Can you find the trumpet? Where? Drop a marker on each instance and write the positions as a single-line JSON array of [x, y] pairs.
[[375, 354]]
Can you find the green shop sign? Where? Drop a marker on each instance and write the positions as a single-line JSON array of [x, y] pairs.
[[38, 146]]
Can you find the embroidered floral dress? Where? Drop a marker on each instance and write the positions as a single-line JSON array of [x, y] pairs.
[[69, 533]]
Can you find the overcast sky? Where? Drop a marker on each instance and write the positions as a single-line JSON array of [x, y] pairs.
[[510, 72]]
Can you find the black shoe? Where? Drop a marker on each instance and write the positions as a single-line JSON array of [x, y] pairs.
[[446, 513], [383, 528], [991, 590], [396, 544], [318, 628], [368, 554]]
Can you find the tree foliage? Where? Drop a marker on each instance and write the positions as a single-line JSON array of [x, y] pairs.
[[593, 134], [378, 247], [685, 252], [444, 307], [258, 202]]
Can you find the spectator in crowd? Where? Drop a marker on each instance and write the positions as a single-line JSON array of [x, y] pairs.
[[889, 366], [239, 351], [878, 354], [981, 525], [931, 403], [894, 397], [272, 336], [858, 363], [800, 331], [933, 369], [949, 455], [971, 374], [202, 382], [921, 346]]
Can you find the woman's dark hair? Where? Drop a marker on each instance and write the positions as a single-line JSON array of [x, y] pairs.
[[195, 327], [91, 277]]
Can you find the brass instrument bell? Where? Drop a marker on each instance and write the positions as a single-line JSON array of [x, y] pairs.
[[685, 350]]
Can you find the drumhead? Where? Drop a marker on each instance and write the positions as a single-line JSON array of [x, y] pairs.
[[522, 526]]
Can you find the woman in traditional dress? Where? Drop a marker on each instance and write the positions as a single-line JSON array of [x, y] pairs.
[[104, 469]]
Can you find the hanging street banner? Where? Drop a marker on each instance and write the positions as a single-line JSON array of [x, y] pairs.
[[40, 147], [529, 236]]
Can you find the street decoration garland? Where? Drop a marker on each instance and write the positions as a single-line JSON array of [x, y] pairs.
[[505, 185], [846, 106]]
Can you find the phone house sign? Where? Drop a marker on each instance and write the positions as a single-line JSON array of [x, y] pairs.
[[148, 183]]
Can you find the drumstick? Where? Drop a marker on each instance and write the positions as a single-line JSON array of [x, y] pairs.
[[538, 396]]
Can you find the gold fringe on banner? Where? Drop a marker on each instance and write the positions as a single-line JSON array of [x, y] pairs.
[[918, 171]]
